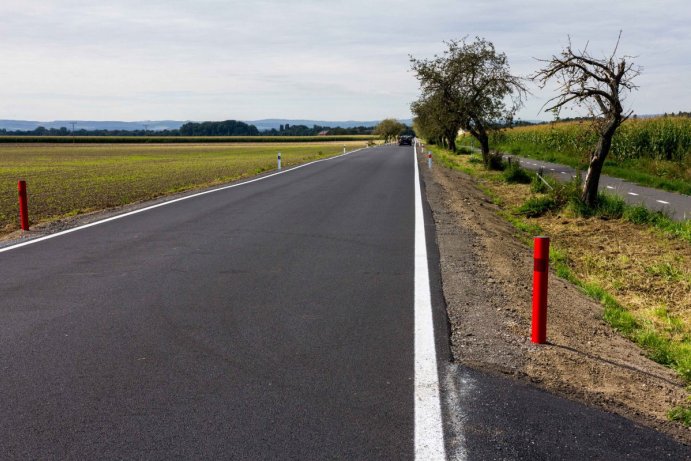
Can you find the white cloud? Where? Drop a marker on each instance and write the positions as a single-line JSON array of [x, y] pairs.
[[214, 59]]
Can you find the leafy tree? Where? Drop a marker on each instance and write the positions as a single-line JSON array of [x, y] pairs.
[[226, 128], [472, 88], [435, 122], [598, 84], [389, 129]]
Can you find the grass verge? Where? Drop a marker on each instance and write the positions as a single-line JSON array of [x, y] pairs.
[[614, 255]]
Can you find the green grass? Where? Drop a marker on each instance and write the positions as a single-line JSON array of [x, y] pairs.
[[681, 414], [638, 214], [537, 206], [64, 180], [514, 174]]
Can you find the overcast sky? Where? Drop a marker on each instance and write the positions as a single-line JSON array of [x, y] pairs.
[[315, 59]]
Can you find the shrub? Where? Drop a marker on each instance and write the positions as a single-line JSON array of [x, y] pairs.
[[496, 163], [544, 185], [538, 206], [515, 174], [464, 150], [475, 158], [607, 206]]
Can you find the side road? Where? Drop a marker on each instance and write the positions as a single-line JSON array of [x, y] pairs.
[[486, 277], [678, 206]]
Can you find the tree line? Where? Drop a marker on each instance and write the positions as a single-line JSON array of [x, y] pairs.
[[470, 87], [224, 128]]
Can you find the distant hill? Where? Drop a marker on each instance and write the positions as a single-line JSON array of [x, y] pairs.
[[153, 125], [158, 125]]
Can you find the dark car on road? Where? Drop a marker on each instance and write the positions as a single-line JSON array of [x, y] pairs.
[[405, 140]]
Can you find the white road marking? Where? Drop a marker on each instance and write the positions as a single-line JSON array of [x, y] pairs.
[[610, 187], [551, 169], [563, 172], [429, 433], [662, 201], [633, 193], [169, 202]]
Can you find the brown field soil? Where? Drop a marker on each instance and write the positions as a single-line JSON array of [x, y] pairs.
[[487, 282]]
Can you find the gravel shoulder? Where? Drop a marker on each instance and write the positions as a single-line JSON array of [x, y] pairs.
[[487, 282]]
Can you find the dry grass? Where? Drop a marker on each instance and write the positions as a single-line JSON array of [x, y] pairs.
[[649, 274]]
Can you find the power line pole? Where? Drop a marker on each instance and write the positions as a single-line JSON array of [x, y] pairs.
[[73, 124], [145, 128]]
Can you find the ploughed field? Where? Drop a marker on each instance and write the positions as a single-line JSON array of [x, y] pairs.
[[65, 180]]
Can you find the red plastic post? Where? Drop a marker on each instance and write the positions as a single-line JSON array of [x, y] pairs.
[[540, 272], [23, 205]]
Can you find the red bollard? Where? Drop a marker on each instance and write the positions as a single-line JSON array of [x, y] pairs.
[[540, 272], [23, 205]]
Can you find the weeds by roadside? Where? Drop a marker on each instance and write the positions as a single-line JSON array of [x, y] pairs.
[[681, 413], [613, 253]]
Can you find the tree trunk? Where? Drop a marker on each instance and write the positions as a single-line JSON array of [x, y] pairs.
[[484, 147], [597, 161], [452, 142]]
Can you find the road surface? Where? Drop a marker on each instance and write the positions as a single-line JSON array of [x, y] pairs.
[[273, 320]]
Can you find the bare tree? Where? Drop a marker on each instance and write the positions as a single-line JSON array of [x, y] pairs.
[[598, 85]]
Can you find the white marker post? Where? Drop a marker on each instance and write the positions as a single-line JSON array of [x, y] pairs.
[[344, 149], [279, 160], [429, 159]]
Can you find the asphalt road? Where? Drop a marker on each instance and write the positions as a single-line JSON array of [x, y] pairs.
[[677, 206], [268, 321]]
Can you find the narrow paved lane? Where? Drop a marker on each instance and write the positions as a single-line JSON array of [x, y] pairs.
[[272, 320], [676, 205]]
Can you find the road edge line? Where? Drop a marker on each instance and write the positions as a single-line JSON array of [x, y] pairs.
[[429, 432]]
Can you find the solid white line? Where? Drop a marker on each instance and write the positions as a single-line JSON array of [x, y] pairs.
[[429, 433], [633, 193], [663, 202], [169, 202]]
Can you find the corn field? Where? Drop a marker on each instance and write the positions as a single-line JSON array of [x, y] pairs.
[[661, 138]]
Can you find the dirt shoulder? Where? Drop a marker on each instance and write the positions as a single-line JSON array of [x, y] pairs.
[[487, 282]]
